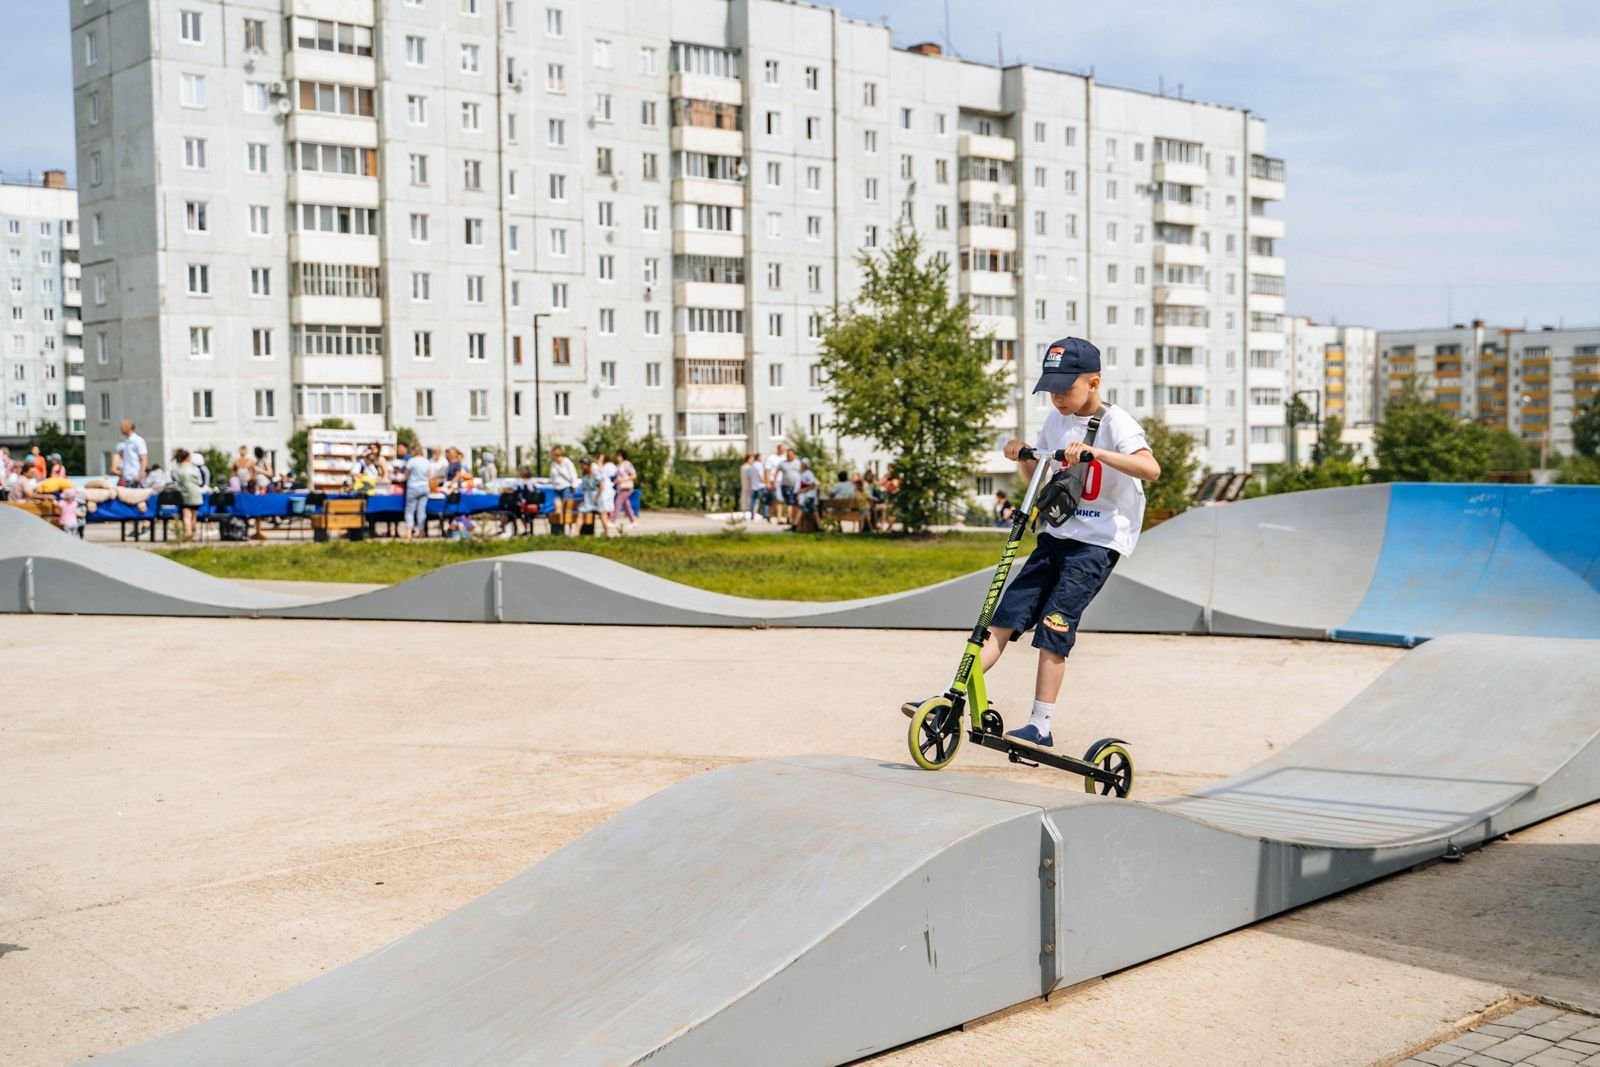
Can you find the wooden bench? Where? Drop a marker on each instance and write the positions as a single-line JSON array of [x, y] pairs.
[[42, 508], [349, 515], [833, 514]]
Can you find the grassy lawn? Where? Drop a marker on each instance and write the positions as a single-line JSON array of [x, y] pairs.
[[776, 566]]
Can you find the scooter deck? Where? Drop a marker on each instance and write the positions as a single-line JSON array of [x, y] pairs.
[[1020, 752]]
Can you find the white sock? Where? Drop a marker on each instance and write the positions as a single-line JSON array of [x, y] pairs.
[[1041, 715]]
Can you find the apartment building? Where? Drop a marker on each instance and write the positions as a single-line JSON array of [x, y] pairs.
[[41, 356], [1528, 381], [1339, 364], [496, 220]]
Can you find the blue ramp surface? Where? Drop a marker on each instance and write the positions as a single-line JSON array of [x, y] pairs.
[[1503, 559]]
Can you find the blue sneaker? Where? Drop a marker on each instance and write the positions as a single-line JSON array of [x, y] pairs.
[[1030, 735]]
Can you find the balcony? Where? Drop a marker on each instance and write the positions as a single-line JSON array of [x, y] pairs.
[[1267, 305], [1179, 213], [988, 283], [1181, 255], [992, 237], [338, 370], [72, 269], [1264, 341], [1179, 173], [1181, 374], [349, 310], [707, 139], [1265, 453], [1002, 193], [1265, 226], [73, 327], [985, 146], [703, 191], [686, 85], [1181, 414], [1000, 327], [709, 346], [1264, 377], [336, 67], [313, 188], [72, 298], [707, 295], [358, 249], [1266, 265], [1266, 178], [353, 130], [1181, 337], [707, 243], [1192, 296]]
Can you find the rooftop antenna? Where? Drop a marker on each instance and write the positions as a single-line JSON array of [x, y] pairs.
[[999, 49]]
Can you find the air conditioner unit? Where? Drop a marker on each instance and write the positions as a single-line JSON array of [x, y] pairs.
[[516, 84], [276, 89], [284, 105], [742, 170]]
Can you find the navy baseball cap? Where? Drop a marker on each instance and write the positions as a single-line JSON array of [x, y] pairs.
[[1064, 360]]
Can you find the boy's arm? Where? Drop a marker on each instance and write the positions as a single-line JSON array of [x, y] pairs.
[[1141, 464]]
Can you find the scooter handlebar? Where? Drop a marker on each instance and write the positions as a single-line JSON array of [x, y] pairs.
[[1059, 455]]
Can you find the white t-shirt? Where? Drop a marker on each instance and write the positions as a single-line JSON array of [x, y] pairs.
[[1111, 511]]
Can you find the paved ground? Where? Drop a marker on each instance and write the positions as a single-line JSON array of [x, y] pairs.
[[1536, 1034], [213, 810]]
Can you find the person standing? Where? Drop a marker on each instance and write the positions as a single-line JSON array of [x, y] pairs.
[[418, 481], [131, 456], [187, 479], [750, 486], [627, 477], [607, 470], [564, 480], [789, 475]]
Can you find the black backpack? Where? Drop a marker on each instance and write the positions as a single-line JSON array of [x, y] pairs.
[[1059, 498]]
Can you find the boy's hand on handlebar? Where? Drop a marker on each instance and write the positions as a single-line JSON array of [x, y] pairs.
[[1014, 447], [1074, 452]]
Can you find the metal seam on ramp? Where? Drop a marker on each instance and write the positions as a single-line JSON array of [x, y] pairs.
[[725, 918]]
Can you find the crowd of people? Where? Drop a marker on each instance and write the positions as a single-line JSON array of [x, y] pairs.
[[602, 493], [782, 488]]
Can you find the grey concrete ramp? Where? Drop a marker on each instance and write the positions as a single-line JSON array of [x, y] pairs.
[[818, 909]]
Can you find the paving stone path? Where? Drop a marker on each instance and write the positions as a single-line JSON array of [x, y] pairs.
[[1535, 1035]]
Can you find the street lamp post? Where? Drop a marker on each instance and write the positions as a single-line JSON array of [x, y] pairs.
[[1544, 434], [538, 400]]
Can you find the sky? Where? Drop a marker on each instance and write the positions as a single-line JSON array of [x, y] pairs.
[[1443, 155]]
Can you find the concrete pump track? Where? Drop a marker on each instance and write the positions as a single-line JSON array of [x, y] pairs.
[[814, 910], [1392, 564]]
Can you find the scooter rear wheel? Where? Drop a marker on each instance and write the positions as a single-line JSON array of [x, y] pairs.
[[1109, 755], [935, 734]]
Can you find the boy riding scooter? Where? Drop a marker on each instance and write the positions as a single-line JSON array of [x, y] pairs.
[[1077, 546]]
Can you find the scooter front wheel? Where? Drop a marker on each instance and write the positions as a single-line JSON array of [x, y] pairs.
[[1109, 755], [935, 734]]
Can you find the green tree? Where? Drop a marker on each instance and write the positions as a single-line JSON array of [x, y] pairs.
[[823, 456], [1418, 441], [612, 432], [405, 435], [1578, 470], [1507, 452], [1330, 446], [1333, 463], [1174, 451], [51, 440], [300, 447], [220, 465], [908, 373], [1586, 427]]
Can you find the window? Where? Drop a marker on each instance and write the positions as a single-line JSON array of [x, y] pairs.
[[558, 242], [474, 288], [1071, 181], [102, 355], [647, 61], [605, 212], [260, 221], [255, 35], [261, 342], [602, 53], [200, 342], [558, 295], [652, 375], [260, 281], [476, 346], [602, 161], [315, 401], [774, 224], [813, 179], [561, 351], [470, 63], [513, 244], [702, 59], [1111, 314], [650, 168], [94, 109], [469, 7], [192, 90], [906, 165], [422, 345], [1111, 189], [335, 218], [561, 402], [652, 324], [608, 322], [256, 158], [472, 174], [335, 99], [97, 228], [608, 373], [421, 287], [473, 232], [813, 227], [870, 192], [774, 175], [652, 218], [774, 275], [552, 22], [416, 51], [91, 48], [941, 216], [471, 117], [648, 114], [416, 109], [870, 237], [652, 271], [774, 124], [199, 278], [869, 94], [555, 78], [602, 107], [770, 72], [869, 141], [424, 403], [775, 423], [321, 35], [775, 324], [96, 172], [200, 406], [558, 188]]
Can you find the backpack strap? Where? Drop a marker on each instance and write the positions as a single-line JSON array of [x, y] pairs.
[[1094, 424]]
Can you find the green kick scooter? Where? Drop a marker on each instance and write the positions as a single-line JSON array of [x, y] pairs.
[[936, 727]]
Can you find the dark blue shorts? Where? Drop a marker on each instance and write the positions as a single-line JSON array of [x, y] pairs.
[[1052, 590]]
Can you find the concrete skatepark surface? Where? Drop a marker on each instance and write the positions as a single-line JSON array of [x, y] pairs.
[[1391, 564], [194, 843], [720, 920]]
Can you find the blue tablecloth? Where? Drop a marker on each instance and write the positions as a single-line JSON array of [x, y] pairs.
[[282, 505]]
